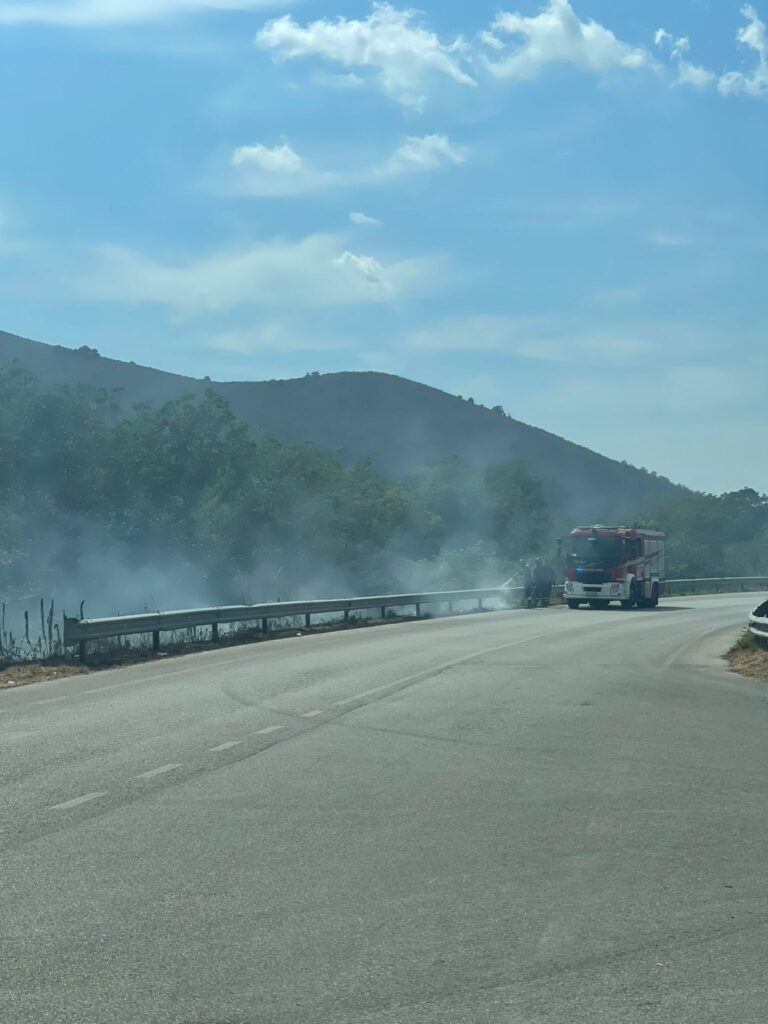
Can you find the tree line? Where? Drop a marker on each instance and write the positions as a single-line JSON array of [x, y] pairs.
[[182, 498]]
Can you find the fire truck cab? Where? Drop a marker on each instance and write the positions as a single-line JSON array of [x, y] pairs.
[[614, 563]]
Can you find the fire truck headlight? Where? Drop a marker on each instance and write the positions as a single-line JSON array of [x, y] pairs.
[[569, 588], [616, 588]]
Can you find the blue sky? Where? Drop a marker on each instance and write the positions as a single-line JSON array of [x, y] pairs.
[[556, 207]]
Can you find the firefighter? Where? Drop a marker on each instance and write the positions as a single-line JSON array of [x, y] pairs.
[[543, 582], [526, 579]]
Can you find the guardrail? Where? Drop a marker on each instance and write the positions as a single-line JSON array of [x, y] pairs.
[[758, 623], [78, 632], [718, 583]]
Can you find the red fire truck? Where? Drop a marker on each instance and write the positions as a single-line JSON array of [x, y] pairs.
[[614, 563]]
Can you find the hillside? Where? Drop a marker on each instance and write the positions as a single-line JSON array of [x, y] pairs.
[[399, 424]]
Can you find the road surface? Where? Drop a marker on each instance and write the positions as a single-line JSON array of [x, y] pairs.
[[544, 817]]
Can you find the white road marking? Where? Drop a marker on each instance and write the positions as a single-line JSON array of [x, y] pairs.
[[386, 686], [159, 771], [312, 714], [77, 801], [269, 729], [52, 700], [427, 673], [225, 746], [104, 689]]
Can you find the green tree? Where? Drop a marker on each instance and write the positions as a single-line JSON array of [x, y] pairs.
[[522, 523], [710, 535]]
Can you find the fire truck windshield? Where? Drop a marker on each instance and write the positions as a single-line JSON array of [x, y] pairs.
[[595, 552]]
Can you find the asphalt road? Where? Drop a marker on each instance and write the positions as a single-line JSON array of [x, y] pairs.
[[511, 818]]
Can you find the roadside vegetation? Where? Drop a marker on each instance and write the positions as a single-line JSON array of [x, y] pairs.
[[178, 505], [27, 665], [710, 535], [749, 657]]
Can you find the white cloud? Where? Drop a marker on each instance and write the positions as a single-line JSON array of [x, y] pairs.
[[694, 75], [687, 73], [278, 175], [425, 153], [363, 268], [400, 50], [364, 219], [282, 172], [677, 47], [278, 160], [310, 272], [733, 83], [752, 35], [83, 13], [556, 35]]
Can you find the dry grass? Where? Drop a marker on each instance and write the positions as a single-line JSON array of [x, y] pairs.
[[116, 656], [38, 672], [749, 658]]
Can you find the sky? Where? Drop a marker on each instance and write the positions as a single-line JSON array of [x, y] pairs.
[[556, 207]]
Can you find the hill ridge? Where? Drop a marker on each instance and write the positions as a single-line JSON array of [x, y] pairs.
[[400, 424]]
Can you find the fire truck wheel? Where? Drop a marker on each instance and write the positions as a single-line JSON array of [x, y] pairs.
[[626, 605], [573, 604]]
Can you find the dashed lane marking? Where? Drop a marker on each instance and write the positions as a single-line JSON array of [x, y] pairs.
[[225, 746], [436, 670], [159, 771], [269, 729], [312, 714], [77, 801], [104, 689], [52, 700]]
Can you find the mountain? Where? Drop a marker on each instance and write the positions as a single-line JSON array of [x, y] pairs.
[[399, 424]]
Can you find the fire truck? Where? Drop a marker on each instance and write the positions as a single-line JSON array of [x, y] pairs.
[[614, 563]]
